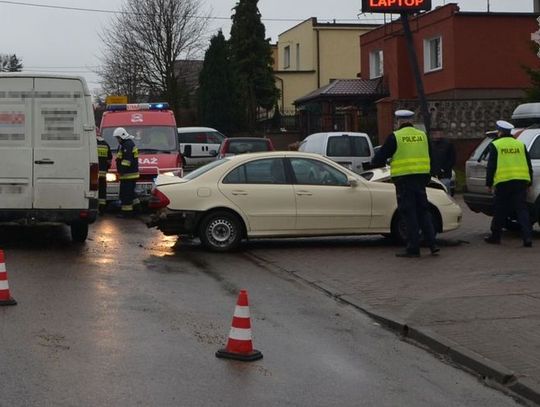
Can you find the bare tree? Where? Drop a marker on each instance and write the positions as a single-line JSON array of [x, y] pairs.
[[142, 44], [121, 73]]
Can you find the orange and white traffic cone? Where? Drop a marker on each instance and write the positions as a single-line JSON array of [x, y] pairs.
[[5, 296], [239, 345]]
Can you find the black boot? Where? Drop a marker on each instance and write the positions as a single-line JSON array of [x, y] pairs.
[[492, 239], [409, 253]]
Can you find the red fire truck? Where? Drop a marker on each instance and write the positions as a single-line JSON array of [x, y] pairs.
[[154, 128]]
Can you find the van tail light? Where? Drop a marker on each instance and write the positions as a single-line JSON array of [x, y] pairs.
[[94, 176], [158, 200]]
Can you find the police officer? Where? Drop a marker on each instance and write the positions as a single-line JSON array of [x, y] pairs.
[[127, 165], [410, 169], [509, 172], [105, 160]]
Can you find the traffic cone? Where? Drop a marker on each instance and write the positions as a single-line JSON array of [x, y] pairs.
[[239, 345], [5, 296]]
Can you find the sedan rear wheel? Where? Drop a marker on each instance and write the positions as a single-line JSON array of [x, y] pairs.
[[220, 231]]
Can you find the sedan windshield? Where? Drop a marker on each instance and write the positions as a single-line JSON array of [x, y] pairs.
[[149, 139]]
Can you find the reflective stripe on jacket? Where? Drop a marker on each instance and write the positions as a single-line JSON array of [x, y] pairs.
[[511, 161], [412, 153], [127, 161], [104, 156]]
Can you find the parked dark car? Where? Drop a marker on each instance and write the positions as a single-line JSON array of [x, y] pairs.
[[241, 145]]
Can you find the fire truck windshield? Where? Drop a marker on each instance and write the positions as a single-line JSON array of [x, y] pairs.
[[149, 139]]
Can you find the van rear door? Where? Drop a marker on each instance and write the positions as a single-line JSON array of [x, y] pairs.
[[61, 156], [351, 151], [15, 143]]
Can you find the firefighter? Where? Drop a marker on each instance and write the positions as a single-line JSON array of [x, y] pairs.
[[127, 165], [509, 172], [410, 169], [105, 160]]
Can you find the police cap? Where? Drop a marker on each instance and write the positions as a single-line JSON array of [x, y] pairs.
[[404, 114], [504, 126]]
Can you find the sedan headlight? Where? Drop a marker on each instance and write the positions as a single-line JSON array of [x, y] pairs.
[[112, 177]]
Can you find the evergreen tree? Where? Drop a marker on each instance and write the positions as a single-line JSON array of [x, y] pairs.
[[532, 94], [15, 64], [251, 55], [216, 96], [10, 63]]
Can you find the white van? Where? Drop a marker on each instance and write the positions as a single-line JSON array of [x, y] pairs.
[[204, 143], [352, 150], [48, 152]]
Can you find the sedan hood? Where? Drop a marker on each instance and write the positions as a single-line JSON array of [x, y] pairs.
[[383, 175]]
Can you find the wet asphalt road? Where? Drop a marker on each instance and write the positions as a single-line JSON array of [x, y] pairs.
[[133, 318]]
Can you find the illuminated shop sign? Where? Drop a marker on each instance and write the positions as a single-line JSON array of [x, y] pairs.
[[395, 6]]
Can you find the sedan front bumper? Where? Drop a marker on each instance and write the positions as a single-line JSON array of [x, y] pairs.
[[451, 216]]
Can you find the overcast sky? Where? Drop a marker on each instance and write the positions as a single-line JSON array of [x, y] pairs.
[[60, 41]]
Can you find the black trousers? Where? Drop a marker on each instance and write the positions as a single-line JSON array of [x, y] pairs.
[[102, 191], [127, 194], [511, 198], [413, 207]]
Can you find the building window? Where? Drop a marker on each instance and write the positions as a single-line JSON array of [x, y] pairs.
[[297, 57], [376, 64], [287, 57], [433, 54]]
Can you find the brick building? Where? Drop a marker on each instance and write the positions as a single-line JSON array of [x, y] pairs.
[[471, 65]]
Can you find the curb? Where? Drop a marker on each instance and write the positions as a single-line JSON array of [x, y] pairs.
[[492, 372]]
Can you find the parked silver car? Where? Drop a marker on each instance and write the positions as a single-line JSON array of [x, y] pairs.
[[477, 196]]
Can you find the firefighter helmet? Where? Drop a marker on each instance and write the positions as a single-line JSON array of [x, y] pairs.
[[122, 133]]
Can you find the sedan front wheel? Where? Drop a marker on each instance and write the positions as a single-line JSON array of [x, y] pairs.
[[220, 231]]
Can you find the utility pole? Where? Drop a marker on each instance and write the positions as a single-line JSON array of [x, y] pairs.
[[405, 9], [413, 59]]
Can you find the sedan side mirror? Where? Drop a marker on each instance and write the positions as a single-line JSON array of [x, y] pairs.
[[353, 182], [187, 150]]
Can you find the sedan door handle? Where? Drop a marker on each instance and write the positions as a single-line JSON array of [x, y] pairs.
[[239, 193], [304, 193], [44, 161]]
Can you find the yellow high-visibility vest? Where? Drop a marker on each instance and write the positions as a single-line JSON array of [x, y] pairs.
[[511, 161], [412, 153]]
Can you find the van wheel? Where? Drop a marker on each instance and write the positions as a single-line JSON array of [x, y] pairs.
[[79, 232], [221, 231]]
